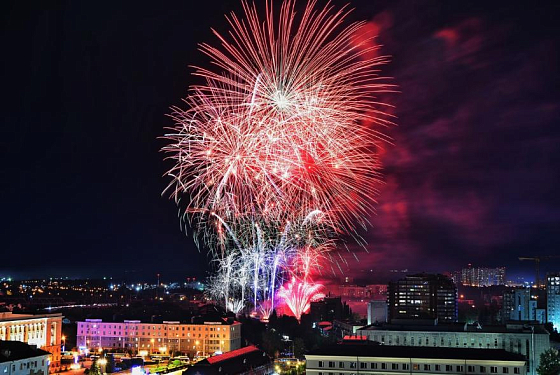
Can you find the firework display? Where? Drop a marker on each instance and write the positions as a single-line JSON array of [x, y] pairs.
[[273, 154]]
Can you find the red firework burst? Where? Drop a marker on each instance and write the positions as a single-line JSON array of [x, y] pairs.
[[276, 132]]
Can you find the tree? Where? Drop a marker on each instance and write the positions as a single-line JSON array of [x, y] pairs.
[[272, 342], [94, 369], [111, 365], [554, 335], [550, 363], [299, 347]]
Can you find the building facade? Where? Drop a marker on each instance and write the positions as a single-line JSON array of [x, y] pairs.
[[167, 337], [423, 296], [43, 331], [553, 299], [377, 312], [19, 358], [518, 304], [483, 276], [363, 358], [529, 341], [329, 309]]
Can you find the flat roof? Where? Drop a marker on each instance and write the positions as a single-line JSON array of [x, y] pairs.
[[218, 322], [456, 327], [232, 354], [371, 349], [16, 350], [8, 316]]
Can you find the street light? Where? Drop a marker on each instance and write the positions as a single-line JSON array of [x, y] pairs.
[[63, 343], [102, 362]]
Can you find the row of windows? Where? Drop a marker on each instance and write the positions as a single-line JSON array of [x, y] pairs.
[[159, 328], [27, 365], [115, 333], [416, 366], [456, 341]]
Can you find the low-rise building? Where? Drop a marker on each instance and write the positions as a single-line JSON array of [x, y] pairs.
[[371, 358], [343, 328], [248, 360], [44, 331], [18, 358], [205, 338], [527, 340]]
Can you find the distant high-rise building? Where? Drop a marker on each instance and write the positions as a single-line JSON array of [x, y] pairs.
[[377, 312], [423, 296], [483, 276], [553, 299], [457, 277]]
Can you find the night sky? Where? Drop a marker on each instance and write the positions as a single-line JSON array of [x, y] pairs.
[[472, 176]]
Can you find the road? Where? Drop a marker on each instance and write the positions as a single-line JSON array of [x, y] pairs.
[[87, 364]]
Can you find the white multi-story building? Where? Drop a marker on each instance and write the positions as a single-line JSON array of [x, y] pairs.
[[43, 331], [370, 358], [529, 341], [170, 336], [553, 299], [377, 312], [18, 358]]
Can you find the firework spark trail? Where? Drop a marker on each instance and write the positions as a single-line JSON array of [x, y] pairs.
[[273, 152], [258, 265], [279, 134], [298, 295]]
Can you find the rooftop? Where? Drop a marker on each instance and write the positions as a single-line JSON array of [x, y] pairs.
[[16, 350], [457, 327], [371, 349], [8, 316], [232, 354], [239, 361], [196, 320]]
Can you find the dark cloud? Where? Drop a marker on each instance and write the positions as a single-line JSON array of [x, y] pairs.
[[472, 173]]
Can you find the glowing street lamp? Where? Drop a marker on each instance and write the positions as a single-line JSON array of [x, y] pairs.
[[103, 362]]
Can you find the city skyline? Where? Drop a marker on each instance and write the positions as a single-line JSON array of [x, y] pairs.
[[470, 178]]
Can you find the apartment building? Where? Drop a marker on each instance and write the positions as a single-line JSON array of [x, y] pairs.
[[527, 340], [370, 358], [44, 331], [205, 338]]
